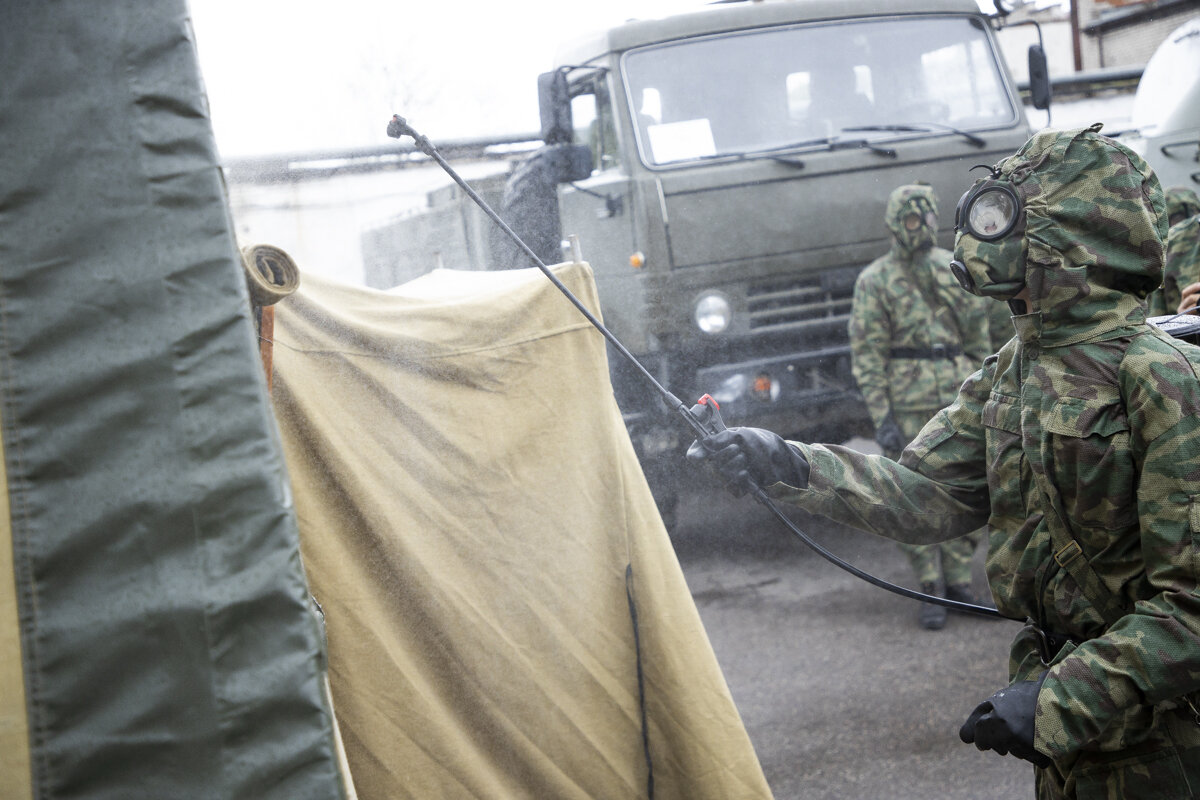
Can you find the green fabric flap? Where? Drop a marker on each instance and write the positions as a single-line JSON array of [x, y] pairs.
[[169, 651]]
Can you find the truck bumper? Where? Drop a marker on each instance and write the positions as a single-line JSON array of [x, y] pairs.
[[808, 396], [811, 394]]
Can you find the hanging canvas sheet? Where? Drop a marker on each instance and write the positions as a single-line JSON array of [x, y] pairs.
[[505, 614]]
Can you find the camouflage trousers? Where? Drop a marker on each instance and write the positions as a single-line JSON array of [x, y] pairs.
[[946, 561], [949, 561], [1165, 766]]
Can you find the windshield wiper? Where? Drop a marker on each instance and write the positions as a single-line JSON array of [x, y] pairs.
[[922, 127], [835, 142]]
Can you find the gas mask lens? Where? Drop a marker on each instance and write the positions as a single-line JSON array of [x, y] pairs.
[[989, 251], [991, 213]]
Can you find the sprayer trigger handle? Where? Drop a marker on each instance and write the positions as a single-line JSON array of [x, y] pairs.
[[708, 413]]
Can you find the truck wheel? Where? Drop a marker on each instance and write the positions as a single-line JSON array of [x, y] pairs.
[[530, 207]]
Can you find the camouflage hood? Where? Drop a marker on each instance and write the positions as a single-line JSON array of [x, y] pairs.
[[918, 199], [1095, 227], [1182, 203]]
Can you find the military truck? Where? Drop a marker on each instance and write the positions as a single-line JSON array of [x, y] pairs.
[[726, 172]]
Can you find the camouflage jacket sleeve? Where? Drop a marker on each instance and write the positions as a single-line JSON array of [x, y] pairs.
[[870, 343], [1152, 654], [937, 491]]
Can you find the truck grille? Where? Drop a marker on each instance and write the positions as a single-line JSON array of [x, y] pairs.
[[800, 303]]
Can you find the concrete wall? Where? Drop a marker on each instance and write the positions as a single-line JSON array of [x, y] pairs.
[[320, 222], [452, 234], [1121, 34]]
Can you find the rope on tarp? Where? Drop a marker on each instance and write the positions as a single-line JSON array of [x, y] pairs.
[[641, 681]]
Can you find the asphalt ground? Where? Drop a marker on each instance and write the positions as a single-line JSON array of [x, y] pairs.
[[841, 693]]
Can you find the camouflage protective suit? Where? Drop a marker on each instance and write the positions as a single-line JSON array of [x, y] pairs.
[[1182, 266], [906, 304], [1079, 445], [1182, 203]]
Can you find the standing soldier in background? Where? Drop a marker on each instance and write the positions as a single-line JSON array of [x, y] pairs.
[[914, 337], [1183, 253]]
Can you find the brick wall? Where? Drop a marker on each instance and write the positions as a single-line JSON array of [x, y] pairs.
[[1132, 45], [1133, 42]]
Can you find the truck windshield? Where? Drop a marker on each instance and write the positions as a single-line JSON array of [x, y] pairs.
[[764, 90]]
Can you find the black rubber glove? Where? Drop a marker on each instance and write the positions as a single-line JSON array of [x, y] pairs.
[[889, 436], [1004, 722], [749, 457]]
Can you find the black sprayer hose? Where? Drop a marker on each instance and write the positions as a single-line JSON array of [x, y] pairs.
[[971, 608], [399, 127]]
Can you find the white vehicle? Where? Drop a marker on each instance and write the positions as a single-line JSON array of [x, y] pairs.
[[1166, 109]]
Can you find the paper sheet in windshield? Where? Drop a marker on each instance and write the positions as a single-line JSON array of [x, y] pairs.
[[678, 141]]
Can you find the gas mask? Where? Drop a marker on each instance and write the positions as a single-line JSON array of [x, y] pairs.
[[989, 246], [916, 228]]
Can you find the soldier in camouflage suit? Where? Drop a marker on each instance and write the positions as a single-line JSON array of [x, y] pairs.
[[1182, 265], [1079, 444], [914, 338]]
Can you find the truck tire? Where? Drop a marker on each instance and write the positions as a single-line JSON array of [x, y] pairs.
[[530, 207]]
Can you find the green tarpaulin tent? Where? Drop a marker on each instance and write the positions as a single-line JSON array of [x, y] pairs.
[[156, 634]]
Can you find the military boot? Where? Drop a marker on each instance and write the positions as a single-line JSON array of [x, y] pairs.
[[931, 617]]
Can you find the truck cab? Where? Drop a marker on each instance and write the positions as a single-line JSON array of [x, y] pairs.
[[742, 156], [725, 172]]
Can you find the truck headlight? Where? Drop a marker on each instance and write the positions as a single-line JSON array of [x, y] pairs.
[[712, 313]]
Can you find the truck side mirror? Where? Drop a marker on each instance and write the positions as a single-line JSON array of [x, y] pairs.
[[570, 162], [554, 106], [1039, 78]]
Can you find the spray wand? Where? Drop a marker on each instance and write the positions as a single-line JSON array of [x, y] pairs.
[[704, 418]]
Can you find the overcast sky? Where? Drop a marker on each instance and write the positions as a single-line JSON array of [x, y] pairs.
[[288, 77]]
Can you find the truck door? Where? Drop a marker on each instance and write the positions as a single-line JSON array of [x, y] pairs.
[[599, 209]]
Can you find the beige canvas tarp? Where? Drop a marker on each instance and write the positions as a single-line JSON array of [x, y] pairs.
[[496, 580]]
